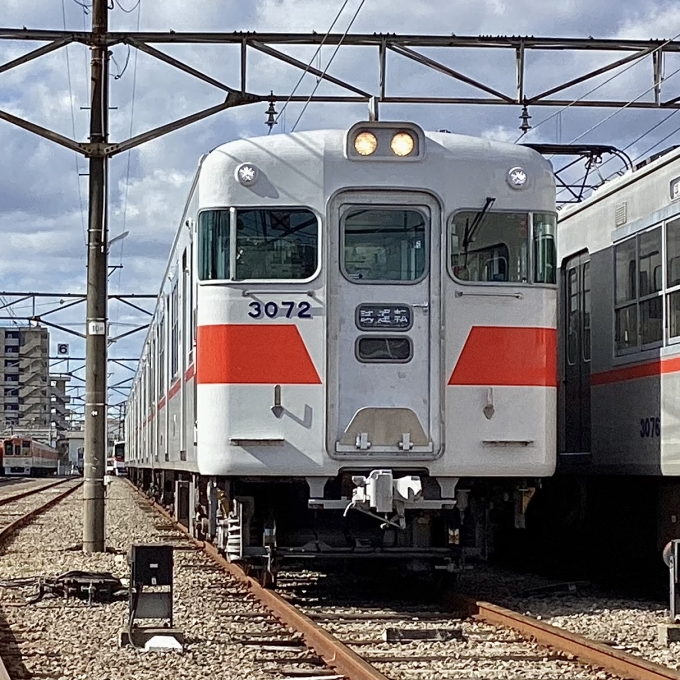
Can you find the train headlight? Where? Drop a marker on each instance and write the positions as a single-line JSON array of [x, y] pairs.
[[365, 143], [246, 174], [402, 144], [517, 177]]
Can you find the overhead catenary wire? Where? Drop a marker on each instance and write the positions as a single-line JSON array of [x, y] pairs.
[[642, 136], [597, 87], [633, 143], [330, 61], [129, 153], [309, 65], [131, 9], [73, 125]]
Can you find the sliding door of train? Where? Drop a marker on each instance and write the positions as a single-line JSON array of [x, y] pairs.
[[577, 353], [383, 328]]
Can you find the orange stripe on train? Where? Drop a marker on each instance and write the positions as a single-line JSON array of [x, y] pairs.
[[648, 369], [273, 354], [502, 355]]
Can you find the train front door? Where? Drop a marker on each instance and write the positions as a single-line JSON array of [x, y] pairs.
[[576, 312], [384, 265]]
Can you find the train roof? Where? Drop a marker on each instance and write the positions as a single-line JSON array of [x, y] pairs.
[[331, 141]]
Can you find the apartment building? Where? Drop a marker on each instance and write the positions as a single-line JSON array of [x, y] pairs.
[[25, 399]]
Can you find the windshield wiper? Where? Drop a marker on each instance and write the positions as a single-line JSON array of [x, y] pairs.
[[471, 229]]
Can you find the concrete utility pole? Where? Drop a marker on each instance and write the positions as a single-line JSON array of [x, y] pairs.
[[97, 292]]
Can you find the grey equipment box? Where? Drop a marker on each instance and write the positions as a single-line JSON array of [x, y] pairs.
[[151, 565]]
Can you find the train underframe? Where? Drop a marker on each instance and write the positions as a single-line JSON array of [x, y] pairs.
[[425, 527]]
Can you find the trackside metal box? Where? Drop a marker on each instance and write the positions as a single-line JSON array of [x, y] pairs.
[[151, 565]]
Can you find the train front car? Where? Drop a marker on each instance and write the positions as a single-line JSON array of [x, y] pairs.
[[376, 343]]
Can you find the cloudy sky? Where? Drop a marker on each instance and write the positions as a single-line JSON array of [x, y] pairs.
[[43, 198]]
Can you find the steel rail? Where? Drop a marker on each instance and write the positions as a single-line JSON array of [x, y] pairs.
[[30, 492], [338, 656], [333, 652], [7, 531], [583, 649], [4, 674], [17, 524]]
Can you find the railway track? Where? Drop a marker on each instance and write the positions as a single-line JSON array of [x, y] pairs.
[[18, 509], [458, 637]]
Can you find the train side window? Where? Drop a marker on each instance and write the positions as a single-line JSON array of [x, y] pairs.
[[650, 284], [650, 262], [626, 328], [384, 244], [213, 244], [493, 248], [673, 276], [572, 316], [545, 253], [626, 314], [585, 331], [276, 244], [673, 252], [625, 271]]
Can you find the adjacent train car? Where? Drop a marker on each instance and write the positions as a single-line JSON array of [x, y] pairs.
[[619, 438], [353, 351], [28, 458]]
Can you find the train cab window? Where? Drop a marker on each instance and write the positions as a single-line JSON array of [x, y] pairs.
[[494, 248], [269, 244], [276, 244], [384, 244], [213, 240]]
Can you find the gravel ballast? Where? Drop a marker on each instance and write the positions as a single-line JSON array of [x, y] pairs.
[[58, 638]]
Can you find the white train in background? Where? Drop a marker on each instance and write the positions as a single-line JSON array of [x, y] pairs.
[[28, 458], [353, 352]]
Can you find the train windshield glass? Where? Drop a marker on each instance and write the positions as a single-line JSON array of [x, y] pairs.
[[495, 249], [276, 244], [384, 244], [270, 244]]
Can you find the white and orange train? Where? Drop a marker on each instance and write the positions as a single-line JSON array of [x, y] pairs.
[[353, 352], [28, 458]]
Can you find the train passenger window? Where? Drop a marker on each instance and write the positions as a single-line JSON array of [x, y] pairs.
[[586, 311], [625, 271], [276, 244], [626, 328], [384, 244], [674, 314], [545, 253], [494, 248], [673, 252], [650, 262], [651, 320], [213, 239], [572, 316], [373, 349]]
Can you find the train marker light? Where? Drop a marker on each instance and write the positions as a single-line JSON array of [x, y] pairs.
[[247, 174], [402, 144], [517, 177], [365, 143]]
